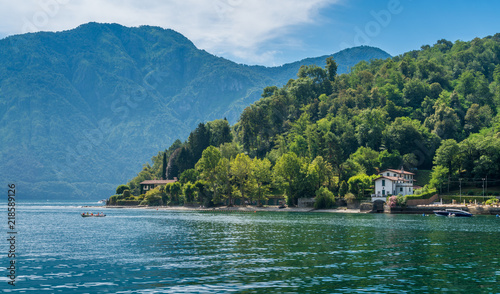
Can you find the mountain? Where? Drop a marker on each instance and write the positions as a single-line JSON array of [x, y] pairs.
[[82, 109]]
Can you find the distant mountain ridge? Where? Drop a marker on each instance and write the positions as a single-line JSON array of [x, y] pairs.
[[82, 109]]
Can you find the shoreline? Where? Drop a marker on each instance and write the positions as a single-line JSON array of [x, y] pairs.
[[419, 209], [235, 209]]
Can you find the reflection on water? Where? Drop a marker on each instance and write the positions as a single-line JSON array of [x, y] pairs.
[[145, 251]]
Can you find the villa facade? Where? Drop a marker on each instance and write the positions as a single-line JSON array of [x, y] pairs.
[[151, 184], [393, 182]]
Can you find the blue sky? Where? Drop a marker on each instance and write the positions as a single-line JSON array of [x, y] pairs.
[[271, 32]]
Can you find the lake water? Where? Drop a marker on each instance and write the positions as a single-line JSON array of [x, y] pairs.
[[149, 251]]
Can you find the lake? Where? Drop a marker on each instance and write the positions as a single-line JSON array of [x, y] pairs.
[[149, 251]]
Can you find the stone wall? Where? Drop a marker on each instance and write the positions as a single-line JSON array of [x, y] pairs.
[[306, 202], [415, 202]]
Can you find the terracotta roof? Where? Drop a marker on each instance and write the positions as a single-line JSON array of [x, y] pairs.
[[394, 179], [397, 171], [158, 182]]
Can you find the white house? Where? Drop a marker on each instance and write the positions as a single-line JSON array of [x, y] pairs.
[[393, 182]]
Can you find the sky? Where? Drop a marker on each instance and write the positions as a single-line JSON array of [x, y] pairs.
[[271, 32]]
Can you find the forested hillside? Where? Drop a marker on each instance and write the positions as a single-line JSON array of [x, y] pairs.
[[327, 134], [80, 110]]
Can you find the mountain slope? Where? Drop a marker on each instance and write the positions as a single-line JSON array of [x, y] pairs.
[[82, 109]]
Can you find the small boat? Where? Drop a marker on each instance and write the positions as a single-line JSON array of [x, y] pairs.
[[93, 215], [453, 213]]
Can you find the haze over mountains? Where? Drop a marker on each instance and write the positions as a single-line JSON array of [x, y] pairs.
[[82, 110]]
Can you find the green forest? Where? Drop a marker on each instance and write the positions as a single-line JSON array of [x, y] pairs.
[[326, 135]]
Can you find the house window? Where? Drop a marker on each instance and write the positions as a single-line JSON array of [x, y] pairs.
[[383, 192], [400, 189], [383, 182], [387, 174], [394, 174]]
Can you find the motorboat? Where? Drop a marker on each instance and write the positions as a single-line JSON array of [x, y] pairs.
[[93, 215], [453, 213]]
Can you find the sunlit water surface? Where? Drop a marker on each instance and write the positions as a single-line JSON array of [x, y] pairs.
[[147, 251]]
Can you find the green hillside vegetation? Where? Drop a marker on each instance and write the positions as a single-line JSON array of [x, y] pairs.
[[82, 109], [434, 108]]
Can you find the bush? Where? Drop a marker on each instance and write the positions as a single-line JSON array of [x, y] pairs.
[[349, 198], [425, 195], [113, 199], [121, 188], [492, 201], [127, 202], [126, 193], [324, 199], [401, 200], [470, 193], [154, 200], [121, 197], [392, 201]]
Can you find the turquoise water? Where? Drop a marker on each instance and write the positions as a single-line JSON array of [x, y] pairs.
[[149, 251]]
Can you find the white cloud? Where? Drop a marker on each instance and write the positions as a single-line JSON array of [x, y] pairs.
[[239, 28]]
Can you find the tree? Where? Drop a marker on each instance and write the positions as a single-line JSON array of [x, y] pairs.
[[372, 123], [206, 167], [485, 166], [387, 159], [444, 122], [241, 169], [288, 168], [299, 146], [154, 197], [447, 155], [121, 188], [477, 118], [198, 141], [324, 199], [331, 69], [174, 189], [358, 184], [224, 179], [164, 167], [230, 150], [402, 134], [414, 93], [220, 132], [262, 174], [269, 91], [189, 190], [409, 161], [439, 176], [366, 158], [343, 189], [321, 173], [189, 175], [203, 193]]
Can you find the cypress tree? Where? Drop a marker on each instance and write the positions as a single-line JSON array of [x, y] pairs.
[[164, 167]]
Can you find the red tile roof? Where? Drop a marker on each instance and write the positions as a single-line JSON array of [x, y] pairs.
[[397, 171], [158, 182], [394, 179]]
